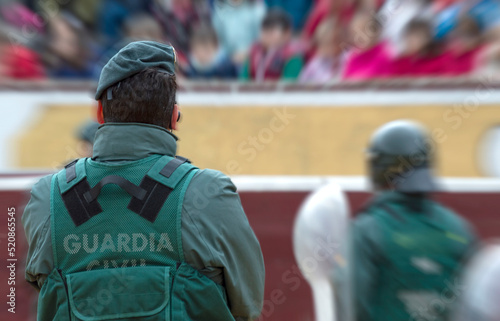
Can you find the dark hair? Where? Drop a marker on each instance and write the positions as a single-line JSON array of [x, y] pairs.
[[419, 25], [277, 17], [468, 26], [424, 26], [146, 97]]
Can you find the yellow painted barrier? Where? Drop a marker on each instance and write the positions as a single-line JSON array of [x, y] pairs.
[[51, 141], [276, 140]]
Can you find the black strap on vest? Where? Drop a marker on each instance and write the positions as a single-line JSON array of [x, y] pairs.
[[170, 168], [156, 193], [71, 171], [147, 198], [79, 209], [129, 187]]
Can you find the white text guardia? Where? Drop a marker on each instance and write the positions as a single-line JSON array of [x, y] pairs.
[[135, 242]]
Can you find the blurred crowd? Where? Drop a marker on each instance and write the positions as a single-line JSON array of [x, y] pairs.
[[309, 41]]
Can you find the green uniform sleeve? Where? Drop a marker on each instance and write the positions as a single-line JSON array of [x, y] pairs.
[[219, 242], [292, 69], [365, 264], [36, 223]]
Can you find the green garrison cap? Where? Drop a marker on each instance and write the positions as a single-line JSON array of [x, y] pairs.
[[134, 58]]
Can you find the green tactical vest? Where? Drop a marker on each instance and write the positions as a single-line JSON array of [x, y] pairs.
[[117, 246], [421, 260]]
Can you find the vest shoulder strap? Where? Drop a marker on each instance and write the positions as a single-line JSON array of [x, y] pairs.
[[73, 186], [72, 174], [159, 182], [80, 199], [169, 171]]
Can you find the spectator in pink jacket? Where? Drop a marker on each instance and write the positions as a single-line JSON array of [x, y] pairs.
[[369, 58]]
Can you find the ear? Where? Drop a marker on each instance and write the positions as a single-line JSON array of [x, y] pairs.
[[100, 115], [175, 118]]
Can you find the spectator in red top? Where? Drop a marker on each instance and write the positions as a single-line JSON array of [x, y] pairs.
[[343, 10], [275, 56], [370, 57], [421, 55], [19, 62], [324, 9]]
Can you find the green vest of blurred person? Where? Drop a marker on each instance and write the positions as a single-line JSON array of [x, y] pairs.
[[409, 252]]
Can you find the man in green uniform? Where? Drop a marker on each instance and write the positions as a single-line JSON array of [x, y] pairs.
[[408, 249], [134, 232]]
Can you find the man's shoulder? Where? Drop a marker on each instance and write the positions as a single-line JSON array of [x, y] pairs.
[[39, 203], [213, 193], [42, 185], [210, 177]]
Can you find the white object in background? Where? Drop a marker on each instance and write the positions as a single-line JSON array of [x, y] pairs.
[[321, 241], [489, 152], [479, 291]]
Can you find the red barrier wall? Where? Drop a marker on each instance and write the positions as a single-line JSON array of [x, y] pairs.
[[271, 214]]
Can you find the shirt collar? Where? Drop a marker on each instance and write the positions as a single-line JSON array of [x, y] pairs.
[[132, 141]]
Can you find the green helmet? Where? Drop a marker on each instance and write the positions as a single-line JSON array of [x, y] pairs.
[[400, 157]]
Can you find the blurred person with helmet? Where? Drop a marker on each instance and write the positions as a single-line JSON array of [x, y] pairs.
[[407, 249], [136, 232], [275, 56]]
